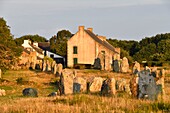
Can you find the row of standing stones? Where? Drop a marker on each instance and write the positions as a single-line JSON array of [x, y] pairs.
[[143, 84]]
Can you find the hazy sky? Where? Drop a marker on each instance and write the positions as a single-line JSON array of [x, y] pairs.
[[121, 19]]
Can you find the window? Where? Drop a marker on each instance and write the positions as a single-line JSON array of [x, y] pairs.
[[75, 50], [75, 61]]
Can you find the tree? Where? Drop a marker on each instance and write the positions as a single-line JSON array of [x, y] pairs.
[[33, 38], [145, 54], [9, 51], [163, 48], [58, 44]]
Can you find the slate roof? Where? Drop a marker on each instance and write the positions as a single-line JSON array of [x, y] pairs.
[[44, 45], [25, 50], [104, 43], [37, 49]]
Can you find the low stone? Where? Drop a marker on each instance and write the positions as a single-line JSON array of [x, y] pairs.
[[108, 87], [95, 84], [53, 94], [30, 92], [79, 85]]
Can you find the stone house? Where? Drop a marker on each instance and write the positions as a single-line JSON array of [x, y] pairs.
[[33, 47], [85, 47], [31, 54]]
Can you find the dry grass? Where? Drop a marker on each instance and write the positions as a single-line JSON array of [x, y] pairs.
[[14, 102]]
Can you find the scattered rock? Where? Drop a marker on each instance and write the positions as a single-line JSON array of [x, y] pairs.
[[30, 92], [2, 92], [53, 94]]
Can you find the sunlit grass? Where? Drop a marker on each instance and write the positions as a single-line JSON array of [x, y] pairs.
[[14, 102]]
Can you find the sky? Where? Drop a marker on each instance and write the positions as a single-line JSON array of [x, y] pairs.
[[117, 19]]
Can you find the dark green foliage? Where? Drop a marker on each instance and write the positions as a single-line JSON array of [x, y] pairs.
[[9, 51], [154, 48], [58, 44], [33, 38], [30, 92]]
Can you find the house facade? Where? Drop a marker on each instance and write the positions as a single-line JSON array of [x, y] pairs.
[[85, 47], [31, 54]]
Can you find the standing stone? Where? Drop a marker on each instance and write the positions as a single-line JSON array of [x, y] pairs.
[[154, 72], [48, 66], [108, 87], [116, 66], [0, 73], [41, 65], [95, 84], [79, 85], [147, 86], [44, 66], [59, 69], [102, 60], [97, 64], [53, 66], [66, 83], [134, 85], [147, 69], [136, 67], [55, 69], [124, 65], [120, 84], [75, 73], [32, 65], [27, 65], [161, 80]]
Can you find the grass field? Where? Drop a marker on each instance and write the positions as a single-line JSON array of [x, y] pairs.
[[15, 81]]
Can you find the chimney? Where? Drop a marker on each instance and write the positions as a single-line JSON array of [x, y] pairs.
[[35, 44], [81, 28], [90, 29]]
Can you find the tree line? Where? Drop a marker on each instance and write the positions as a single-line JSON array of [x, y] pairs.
[[155, 48]]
